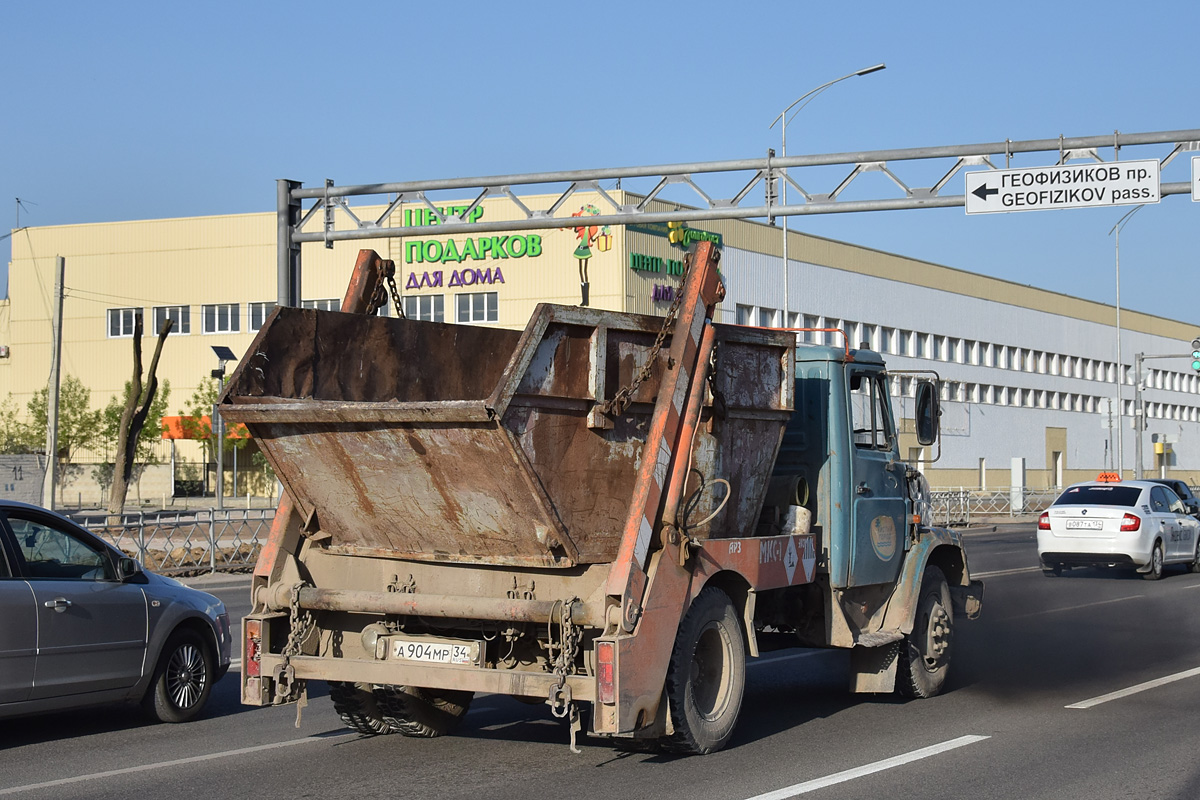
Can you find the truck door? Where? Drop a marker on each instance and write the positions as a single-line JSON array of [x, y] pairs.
[[876, 482]]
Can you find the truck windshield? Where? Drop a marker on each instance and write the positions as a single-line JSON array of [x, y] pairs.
[[1099, 496]]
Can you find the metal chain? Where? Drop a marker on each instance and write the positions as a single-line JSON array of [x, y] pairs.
[[624, 396], [561, 702], [391, 281], [379, 294], [300, 626]]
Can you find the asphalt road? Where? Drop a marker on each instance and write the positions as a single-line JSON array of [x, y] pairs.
[[1082, 686]]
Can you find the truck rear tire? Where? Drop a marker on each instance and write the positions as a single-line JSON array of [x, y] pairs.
[[355, 704], [423, 713], [707, 675], [925, 653]]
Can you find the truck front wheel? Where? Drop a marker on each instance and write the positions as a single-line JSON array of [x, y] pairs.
[[925, 653], [355, 704], [423, 713], [707, 675]]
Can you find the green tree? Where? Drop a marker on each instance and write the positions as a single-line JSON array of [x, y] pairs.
[[17, 436], [147, 453], [135, 412], [79, 425]]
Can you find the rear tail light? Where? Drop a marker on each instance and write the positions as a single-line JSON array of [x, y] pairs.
[[605, 672], [1131, 522], [1044, 521], [252, 648]]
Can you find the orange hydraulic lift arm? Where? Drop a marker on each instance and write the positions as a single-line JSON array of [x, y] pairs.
[[668, 444]]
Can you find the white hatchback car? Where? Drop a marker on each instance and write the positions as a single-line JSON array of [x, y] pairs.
[[1120, 523]]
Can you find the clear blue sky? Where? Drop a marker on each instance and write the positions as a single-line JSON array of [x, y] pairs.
[[126, 110]]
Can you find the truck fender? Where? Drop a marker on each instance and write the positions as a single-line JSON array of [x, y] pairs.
[[942, 548]]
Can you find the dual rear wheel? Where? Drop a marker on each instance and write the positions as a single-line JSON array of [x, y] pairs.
[[407, 710]]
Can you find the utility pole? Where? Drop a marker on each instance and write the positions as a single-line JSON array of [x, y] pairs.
[[52, 388]]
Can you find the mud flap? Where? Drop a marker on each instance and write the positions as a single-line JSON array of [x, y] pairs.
[[967, 600], [873, 669]]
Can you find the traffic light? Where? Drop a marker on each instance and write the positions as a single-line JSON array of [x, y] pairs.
[[675, 236], [1196, 354]]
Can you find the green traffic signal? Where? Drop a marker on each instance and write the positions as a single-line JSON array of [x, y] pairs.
[[1196, 354]]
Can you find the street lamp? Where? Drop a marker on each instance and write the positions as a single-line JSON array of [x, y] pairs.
[[1116, 229], [224, 355], [784, 119]]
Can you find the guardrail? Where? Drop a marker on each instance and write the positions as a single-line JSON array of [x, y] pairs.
[[960, 506], [189, 541]]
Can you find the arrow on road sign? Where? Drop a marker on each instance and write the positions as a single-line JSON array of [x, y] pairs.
[[983, 192]]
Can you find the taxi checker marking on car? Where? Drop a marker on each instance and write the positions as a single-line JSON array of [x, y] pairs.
[[82, 624], [1110, 523]]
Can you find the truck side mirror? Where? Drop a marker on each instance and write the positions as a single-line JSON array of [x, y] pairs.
[[928, 413]]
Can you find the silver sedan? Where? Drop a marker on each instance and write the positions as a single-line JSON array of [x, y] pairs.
[[82, 624]]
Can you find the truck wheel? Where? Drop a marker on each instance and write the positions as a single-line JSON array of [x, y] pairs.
[[182, 681], [355, 704], [423, 713], [707, 675], [1156, 563], [925, 653]]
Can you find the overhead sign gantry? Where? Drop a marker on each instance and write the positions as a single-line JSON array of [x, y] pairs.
[[331, 201]]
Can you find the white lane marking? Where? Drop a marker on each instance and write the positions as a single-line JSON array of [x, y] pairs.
[[997, 573], [869, 769], [1141, 687], [165, 764], [1073, 608]]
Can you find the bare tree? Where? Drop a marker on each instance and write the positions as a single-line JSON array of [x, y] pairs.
[[133, 417]]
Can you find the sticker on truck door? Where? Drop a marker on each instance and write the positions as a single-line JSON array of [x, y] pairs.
[[883, 537]]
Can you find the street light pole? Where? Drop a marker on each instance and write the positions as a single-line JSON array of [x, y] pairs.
[[783, 118], [1115, 231]]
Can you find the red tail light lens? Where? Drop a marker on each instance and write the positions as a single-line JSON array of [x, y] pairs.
[[1044, 521], [1131, 522], [605, 672], [251, 661]]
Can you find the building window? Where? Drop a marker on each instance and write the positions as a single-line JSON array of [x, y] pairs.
[[744, 314], [477, 307], [121, 321], [426, 307], [811, 322], [180, 315], [766, 318], [257, 313], [222, 318], [322, 305]]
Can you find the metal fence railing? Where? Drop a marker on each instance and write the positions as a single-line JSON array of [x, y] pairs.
[[189, 541], [961, 506]]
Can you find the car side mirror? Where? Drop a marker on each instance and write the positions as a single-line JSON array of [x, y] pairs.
[[928, 413], [128, 568]]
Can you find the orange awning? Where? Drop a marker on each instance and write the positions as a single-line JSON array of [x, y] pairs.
[[185, 427]]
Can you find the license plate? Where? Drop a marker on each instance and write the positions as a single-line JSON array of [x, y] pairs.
[[1085, 524], [436, 651]]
